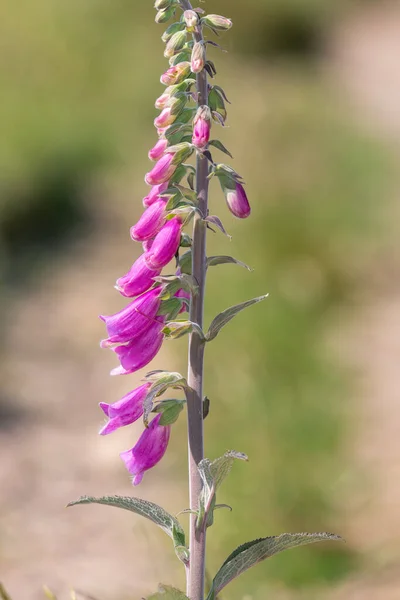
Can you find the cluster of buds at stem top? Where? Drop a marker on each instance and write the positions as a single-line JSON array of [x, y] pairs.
[[136, 333]]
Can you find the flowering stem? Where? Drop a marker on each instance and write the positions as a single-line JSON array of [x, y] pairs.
[[197, 542]]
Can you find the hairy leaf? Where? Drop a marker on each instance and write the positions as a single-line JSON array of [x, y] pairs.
[[141, 507], [165, 592], [220, 467], [227, 315], [212, 261], [251, 553]]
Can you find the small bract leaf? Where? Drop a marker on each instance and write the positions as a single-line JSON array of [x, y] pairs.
[[227, 315], [219, 145], [141, 507], [176, 329], [214, 220], [251, 553], [221, 260], [165, 592], [220, 467], [171, 308]]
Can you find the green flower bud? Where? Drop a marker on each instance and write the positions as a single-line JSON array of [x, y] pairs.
[[175, 43], [163, 4], [169, 32], [165, 15], [217, 22]]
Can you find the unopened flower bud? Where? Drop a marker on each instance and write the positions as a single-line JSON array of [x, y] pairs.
[[198, 59], [165, 118], [191, 19], [165, 244], [175, 74], [150, 222], [217, 22], [154, 194], [180, 152], [175, 44], [201, 127], [173, 28], [163, 4], [165, 15], [158, 150], [236, 198], [162, 170]]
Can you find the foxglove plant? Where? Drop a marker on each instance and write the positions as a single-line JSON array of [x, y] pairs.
[[189, 107]]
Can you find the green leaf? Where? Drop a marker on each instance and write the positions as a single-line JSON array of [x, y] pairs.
[[251, 553], [227, 315], [214, 220], [212, 475], [171, 308], [219, 145], [165, 592], [212, 261], [141, 507], [220, 467]]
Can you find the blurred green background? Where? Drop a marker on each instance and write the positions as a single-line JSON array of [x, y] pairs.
[[78, 84]]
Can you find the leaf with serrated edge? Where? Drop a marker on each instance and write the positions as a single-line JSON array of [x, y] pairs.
[[227, 315], [213, 261], [251, 553], [165, 592], [141, 507]]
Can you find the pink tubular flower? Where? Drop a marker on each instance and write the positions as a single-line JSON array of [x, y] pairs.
[[162, 170], [165, 244], [201, 127], [175, 74], [148, 451], [158, 150], [126, 411], [141, 350], [150, 222], [133, 320], [165, 118], [138, 279], [153, 195], [237, 201]]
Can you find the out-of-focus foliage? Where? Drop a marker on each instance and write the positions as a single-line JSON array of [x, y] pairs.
[[78, 83]]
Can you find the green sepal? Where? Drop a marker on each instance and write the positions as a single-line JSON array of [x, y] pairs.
[[178, 58], [176, 329], [170, 410], [161, 382], [171, 308], [173, 28], [227, 315], [185, 263]]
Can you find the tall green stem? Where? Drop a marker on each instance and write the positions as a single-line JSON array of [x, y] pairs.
[[197, 542]]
